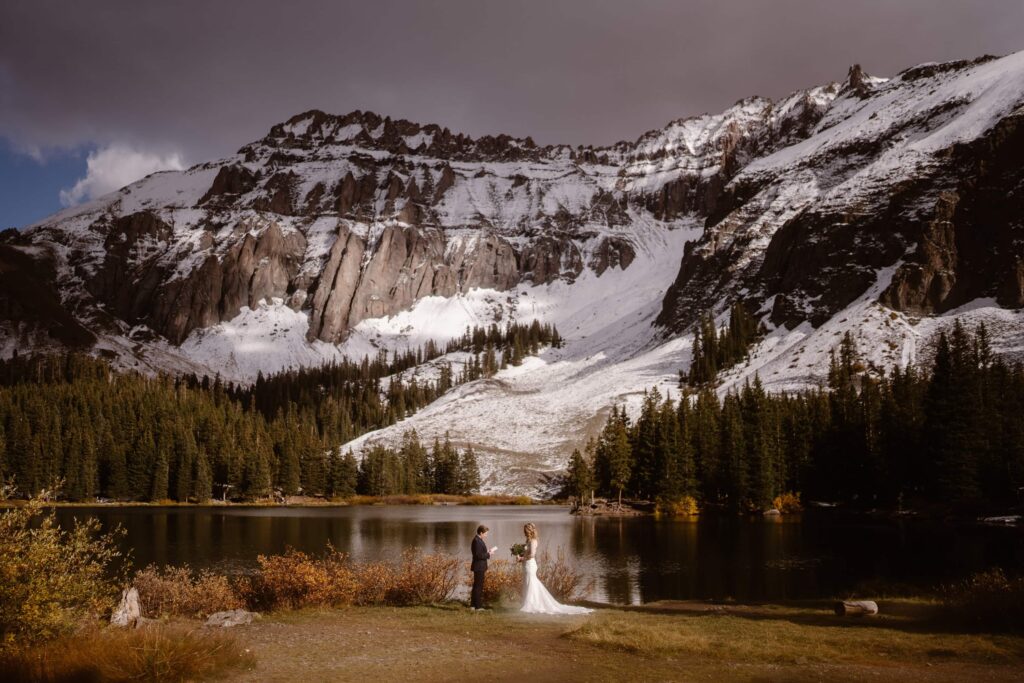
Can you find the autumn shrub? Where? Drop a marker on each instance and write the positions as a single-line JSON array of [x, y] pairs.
[[52, 579], [424, 579], [987, 600], [498, 500], [438, 498], [562, 578], [154, 653], [373, 582], [296, 579], [503, 584], [682, 507], [180, 591], [788, 503]]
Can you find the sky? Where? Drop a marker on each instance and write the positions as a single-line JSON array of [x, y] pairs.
[[94, 95]]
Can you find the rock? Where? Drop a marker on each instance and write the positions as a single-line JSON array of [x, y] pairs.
[[128, 610], [230, 182], [230, 618]]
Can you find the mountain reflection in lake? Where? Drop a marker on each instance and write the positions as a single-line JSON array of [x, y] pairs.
[[632, 560]]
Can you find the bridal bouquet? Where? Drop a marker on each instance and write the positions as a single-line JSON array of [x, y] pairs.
[[518, 550]]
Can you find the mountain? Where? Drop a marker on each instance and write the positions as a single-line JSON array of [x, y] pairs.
[[886, 207]]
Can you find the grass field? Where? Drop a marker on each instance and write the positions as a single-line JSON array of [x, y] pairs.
[[659, 642]]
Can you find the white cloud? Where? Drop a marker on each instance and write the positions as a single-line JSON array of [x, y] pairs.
[[115, 166]]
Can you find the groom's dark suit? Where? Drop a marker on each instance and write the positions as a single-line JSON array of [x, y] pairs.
[[479, 567]]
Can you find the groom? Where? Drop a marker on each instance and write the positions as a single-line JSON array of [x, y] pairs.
[[479, 567]]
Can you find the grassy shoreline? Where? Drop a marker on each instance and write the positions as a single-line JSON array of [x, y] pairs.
[[665, 641], [301, 501]]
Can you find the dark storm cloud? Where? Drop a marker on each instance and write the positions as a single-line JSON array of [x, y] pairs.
[[203, 78]]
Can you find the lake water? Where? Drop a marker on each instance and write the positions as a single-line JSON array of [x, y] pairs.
[[631, 560]]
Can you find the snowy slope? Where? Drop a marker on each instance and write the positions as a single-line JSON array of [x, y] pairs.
[[525, 421]]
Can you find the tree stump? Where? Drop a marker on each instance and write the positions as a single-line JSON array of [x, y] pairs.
[[856, 608], [128, 611]]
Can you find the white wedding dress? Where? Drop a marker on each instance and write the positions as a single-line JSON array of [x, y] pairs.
[[537, 599]]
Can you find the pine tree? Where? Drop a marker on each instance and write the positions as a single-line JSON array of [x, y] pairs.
[[733, 454], [469, 472], [348, 470], [580, 482], [202, 480], [161, 475], [648, 461], [620, 459], [415, 460], [291, 473]]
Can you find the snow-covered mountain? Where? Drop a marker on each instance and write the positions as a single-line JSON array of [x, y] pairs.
[[882, 206]]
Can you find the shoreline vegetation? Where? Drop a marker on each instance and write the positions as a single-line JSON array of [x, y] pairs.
[[438, 499], [61, 586]]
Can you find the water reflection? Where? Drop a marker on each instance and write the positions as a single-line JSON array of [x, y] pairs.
[[632, 560]]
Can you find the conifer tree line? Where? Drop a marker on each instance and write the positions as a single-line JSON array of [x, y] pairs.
[[715, 350], [124, 436], [412, 469], [949, 436]]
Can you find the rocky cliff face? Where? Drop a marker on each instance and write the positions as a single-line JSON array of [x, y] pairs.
[[920, 172], [354, 217]]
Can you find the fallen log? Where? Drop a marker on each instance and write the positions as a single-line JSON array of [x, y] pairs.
[[856, 608]]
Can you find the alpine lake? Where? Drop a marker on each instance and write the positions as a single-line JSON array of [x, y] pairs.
[[631, 560]]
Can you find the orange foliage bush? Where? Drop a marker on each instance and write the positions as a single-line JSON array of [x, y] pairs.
[[503, 584], [788, 503], [180, 591], [296, 579], [424, 579], [562, 579]]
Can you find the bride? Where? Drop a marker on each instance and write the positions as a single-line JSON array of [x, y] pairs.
[[537, 599]]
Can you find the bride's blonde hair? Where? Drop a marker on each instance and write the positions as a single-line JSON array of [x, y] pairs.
[[531, 531]]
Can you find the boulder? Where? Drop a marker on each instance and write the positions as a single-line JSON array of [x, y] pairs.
[[234, 617]]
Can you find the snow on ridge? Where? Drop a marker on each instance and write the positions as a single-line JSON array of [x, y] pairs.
[[526, 420], [985, 93]]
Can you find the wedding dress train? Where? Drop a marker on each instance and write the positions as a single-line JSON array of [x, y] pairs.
[[537, 599]]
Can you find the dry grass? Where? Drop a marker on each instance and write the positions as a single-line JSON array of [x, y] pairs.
[[789, 636], [179, 591], [437, 643], [157, 653], [438, 499], [988, 600]]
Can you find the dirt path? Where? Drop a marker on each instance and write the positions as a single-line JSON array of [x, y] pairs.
[[452, 643]]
